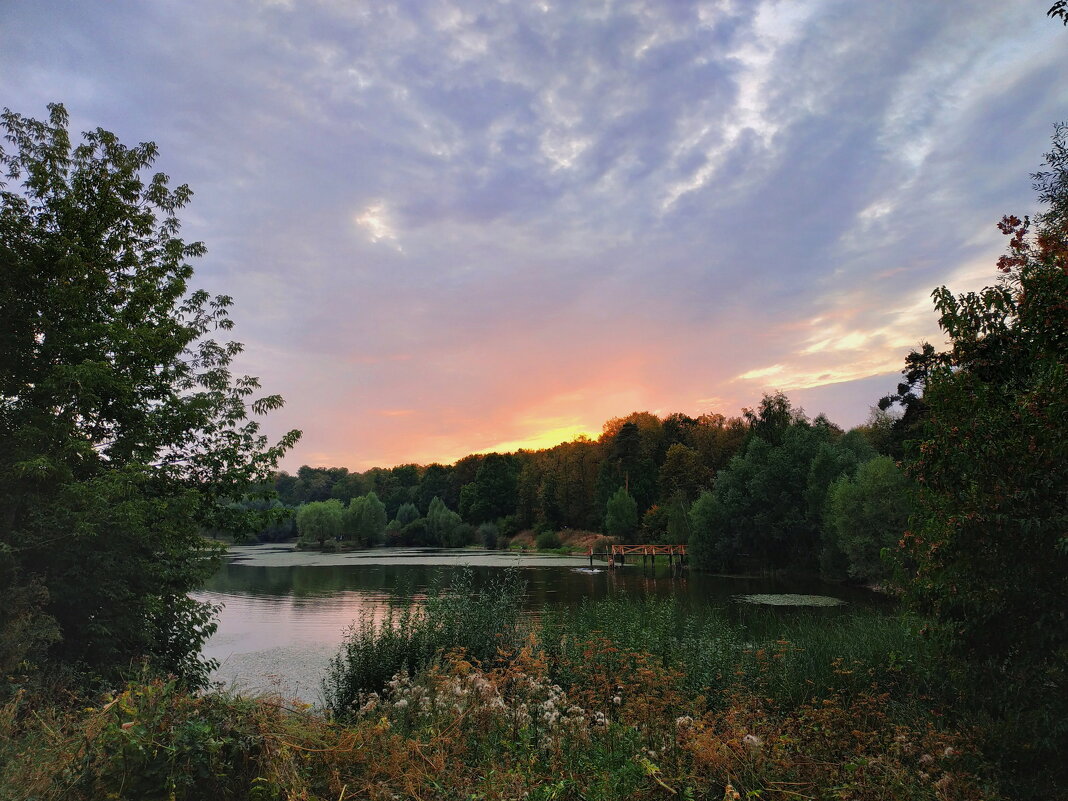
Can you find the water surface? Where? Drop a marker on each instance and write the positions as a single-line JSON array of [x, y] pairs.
[[285, 612]]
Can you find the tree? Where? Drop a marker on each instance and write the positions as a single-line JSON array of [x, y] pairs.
[[678, 521], [352, 521], [682, 473], [987, 555], [621, 516], [867, 514], [122, 431], [493, 492], [442, 524], [372, 519], [320, 521], [758, 509]]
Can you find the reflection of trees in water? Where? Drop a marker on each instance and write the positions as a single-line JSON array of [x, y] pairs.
[[544, 585]]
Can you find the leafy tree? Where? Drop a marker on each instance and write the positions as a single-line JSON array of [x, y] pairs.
[[407, 513], [682, 473], [878, 430], [442, 523], [621, 516], [772, 418], [352, 521], [349, 486], [709, 550], [655, 524], [678, 522], [488, 533], [436, 482], [372, 519], [987, 556], [759, 510], [867, 514], [832, 461], [416, 533], [123, 432], [493, 492], [717, 439], [320, 521]]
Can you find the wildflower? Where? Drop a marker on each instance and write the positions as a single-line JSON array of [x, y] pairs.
[[599, 719], [730, 794], [401, 704], [949, 752], [683, 722], [617, 700]]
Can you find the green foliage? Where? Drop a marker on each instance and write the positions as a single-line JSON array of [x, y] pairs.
[[454, 615], [621, 516], [416, 533], [364, 520], [26, 633], [320, 521], [123, 433], [682, 473], [352, 521], [407, 513], [988, 555], [678, 521], [868, 514], [654, 524], [493, 492], [758, 509], [547, 541], [444, 526], [488, 534]]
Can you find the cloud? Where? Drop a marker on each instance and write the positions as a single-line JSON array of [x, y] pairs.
[[517, 220]]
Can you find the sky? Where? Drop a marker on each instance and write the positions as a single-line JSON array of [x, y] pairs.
[[458, 227]]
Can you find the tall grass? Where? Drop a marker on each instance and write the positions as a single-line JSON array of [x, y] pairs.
[[793, 659], [461, 697], [455, 615]]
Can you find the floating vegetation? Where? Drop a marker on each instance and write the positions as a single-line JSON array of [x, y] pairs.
[[772, 599]]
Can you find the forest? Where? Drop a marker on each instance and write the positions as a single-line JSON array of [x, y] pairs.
[[769, 489]]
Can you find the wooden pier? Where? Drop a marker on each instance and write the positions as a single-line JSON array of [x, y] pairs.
[[617, 554]]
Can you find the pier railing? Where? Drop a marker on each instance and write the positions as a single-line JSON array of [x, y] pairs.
[[617, 554]]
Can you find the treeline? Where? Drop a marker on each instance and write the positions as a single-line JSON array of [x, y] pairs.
[[768, 489]]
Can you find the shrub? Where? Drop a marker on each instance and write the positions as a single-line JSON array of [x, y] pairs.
[[453, 616], [487, 532], [547, 541]]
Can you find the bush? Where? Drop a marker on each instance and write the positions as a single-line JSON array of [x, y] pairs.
[[487, 532], [508, 526], [547, 541]]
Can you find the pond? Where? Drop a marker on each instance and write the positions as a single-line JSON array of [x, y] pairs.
[[285, 612]]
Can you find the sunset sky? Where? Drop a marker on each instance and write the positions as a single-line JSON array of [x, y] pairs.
[[458, 227]]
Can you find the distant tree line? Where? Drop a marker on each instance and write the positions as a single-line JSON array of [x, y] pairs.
[[769, 489]]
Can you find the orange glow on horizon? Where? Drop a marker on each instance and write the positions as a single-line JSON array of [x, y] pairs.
[[543, 440]]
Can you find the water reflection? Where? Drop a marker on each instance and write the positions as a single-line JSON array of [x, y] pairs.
[[280, 623]]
